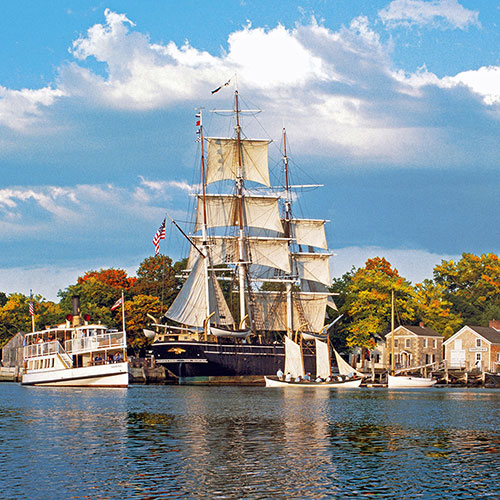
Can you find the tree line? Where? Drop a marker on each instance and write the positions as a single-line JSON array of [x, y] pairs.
[[462, 292]]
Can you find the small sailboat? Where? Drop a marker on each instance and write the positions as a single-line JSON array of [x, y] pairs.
[[395, 381], [349, 378]]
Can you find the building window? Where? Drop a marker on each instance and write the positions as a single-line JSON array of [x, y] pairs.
[[478, 342], [395, 343], [434, 343], [407, 342], [425, 342]]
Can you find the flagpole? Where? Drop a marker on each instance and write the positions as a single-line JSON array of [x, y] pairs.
[[123, 314], [32, 312]]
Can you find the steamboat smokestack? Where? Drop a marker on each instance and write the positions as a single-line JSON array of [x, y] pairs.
[[75, 302]]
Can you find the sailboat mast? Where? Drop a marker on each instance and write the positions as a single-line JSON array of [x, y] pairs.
[[392, 334], [205, 223], [239, 186], [289, 304]]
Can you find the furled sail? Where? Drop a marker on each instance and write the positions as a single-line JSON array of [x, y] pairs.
[[308, 310], [323, 367], [294, 362], [190, 305], [223, 161], [309, 232], [313, 266], [222, 211]]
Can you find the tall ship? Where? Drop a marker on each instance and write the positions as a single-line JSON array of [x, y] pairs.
[[255, 274]]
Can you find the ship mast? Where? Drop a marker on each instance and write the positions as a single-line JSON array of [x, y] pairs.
[[239, 187], [205, 223], [289, 304]]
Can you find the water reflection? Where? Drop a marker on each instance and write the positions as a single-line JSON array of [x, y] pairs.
[[155, 442]]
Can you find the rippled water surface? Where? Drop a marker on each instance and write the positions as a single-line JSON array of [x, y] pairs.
[[238, 442]]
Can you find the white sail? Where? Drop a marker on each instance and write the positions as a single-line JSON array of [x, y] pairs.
[[309, 232], [294, 363], [190, 305], [223, 160], [308, 310], [323, 366], [222, 211], [344, 367], [313, 267], [270, 252]]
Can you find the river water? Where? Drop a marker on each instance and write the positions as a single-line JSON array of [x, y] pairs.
[[247, 442]]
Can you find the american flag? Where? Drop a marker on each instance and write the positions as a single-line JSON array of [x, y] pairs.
[[31, 307], [118, 303], [160, 235]]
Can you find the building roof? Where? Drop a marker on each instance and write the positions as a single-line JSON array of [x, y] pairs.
[[421, 331], [490, 334]]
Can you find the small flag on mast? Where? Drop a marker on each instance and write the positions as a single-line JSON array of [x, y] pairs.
[[160, 235], [198, 124], [218, 88], [118, 303], [31, 307]]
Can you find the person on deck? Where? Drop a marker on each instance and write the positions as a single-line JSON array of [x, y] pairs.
[[117, 358], [307, 377], [279, 374], [288, 377]]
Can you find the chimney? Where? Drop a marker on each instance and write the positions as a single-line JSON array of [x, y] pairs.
[[421, 324], [75, 303], [495, 323]]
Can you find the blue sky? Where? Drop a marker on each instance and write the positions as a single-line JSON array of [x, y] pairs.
[[393, 106]]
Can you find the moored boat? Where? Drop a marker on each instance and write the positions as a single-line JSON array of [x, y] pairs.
[[75, 353], [401, 381]]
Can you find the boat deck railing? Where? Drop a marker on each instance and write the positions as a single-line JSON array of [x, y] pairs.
[[43, 349], [95, 342]]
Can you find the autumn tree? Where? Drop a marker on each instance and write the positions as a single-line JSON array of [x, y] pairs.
[[136, 311], [433, 309], [473, 286], [368, 302], [115, 278]]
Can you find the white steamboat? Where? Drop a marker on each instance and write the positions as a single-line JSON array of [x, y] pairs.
[[76, 354]]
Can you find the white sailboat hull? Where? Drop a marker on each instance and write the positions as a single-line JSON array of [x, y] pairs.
[[345, 384], [111, 375], [399, 381]]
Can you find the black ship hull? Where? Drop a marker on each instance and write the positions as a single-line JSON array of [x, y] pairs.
[[205, 363]]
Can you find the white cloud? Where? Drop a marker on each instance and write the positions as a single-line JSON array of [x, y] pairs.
[[22, 279], [414, 265], [437, 13], [338, 91], [43, 211], [485, 81], [21, 109]]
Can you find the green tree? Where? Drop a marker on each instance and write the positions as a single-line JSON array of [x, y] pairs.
[[340, 287], [368, 302], [96, 299], [156, 277], [15, 317], [473, 286]]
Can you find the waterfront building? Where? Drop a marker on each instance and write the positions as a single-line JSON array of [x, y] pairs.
[[474, 347], [414, 346]]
